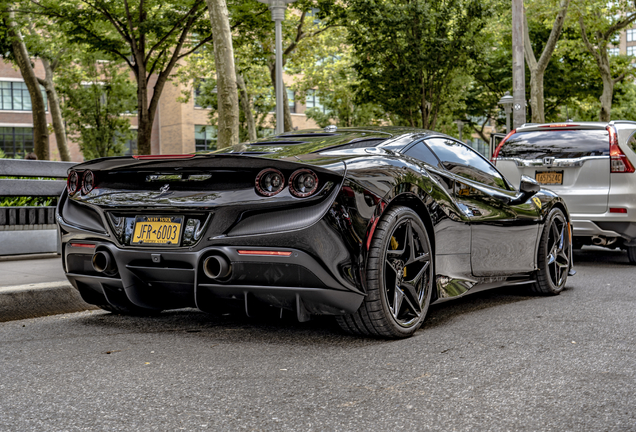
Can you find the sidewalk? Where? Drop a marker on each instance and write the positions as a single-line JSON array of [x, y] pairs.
[[35, 285]]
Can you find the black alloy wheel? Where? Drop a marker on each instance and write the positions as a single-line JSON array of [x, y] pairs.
[[399, 278], [555, 253]]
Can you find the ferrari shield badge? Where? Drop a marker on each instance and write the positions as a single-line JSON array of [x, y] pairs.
[[537, 202]]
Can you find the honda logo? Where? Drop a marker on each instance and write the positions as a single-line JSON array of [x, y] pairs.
[[548, 161]]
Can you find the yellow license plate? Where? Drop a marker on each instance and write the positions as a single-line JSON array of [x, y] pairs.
[[549, 177], [157, 230]]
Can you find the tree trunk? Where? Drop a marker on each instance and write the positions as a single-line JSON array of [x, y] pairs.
[[536, 96], [38, 107], [537, 68], [246, 104], [56, 112], [228, 107], [144, 122], [606, 96]]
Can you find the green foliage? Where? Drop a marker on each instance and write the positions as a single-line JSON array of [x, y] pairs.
[[27, 201], [407, 53], [96, 94], [624, 103], [102, 25], [324, 65]]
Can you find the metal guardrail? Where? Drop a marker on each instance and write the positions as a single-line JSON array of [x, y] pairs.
[[19, 225], [33, 169]]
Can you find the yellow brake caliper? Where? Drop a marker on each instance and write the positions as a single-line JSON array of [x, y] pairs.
[[394, 246]]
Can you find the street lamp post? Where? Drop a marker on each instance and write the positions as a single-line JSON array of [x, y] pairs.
[[507, 101], [278, 7]]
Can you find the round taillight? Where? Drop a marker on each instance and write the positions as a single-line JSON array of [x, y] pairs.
[[269, 182], [303, 183], [89, 182], [72, 183]]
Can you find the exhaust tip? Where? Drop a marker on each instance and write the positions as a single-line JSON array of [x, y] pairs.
[[103, 262], [216, 267]]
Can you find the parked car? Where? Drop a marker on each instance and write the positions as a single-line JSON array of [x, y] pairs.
[[591, 166], [369, 224]]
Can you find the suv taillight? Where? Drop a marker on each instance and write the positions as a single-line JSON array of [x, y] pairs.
[[498, 149], [618, 160]]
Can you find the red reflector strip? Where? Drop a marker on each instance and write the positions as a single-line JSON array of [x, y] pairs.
[[84, 245], [618, 210], [266, 253], [176, 156]]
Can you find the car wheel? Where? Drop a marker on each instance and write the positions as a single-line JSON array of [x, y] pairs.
[[399, 278], [631, 254], [554, 255]]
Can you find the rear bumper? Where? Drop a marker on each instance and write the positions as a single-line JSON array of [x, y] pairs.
[[607, 228], [165, 279]]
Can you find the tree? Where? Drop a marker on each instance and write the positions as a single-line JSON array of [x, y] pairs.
[[150, 36], [96, 94], [20, 55], [228, 107], [537, 68], [407, 53], [600, 23], [324, 68], [51, 47]]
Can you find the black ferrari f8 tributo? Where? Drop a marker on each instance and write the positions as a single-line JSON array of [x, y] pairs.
[[371, 225]]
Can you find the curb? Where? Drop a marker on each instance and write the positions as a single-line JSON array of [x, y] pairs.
[[41, 299]]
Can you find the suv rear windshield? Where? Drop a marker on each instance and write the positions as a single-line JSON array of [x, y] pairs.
[[561, 144]]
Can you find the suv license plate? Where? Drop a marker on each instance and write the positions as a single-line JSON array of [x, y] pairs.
[[549, 177], [157, 231]]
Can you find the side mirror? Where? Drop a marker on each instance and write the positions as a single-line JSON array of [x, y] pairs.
[[527, 188], [529, 185]]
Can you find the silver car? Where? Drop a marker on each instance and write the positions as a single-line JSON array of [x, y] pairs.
[[590, 165]]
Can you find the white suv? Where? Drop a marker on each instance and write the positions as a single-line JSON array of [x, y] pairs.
[[591, 165]]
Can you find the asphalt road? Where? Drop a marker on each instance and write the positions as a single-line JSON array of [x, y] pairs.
[[498, 360]]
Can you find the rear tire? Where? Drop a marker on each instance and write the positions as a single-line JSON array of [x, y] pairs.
[[395, 306], [555, 252], [631, 254]]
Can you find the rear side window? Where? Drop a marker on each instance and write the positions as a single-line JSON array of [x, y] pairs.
[[465, 162], [421, 152], [560, 144]]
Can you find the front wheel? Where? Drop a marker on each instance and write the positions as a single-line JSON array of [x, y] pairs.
[[555, 252], [399, 278]]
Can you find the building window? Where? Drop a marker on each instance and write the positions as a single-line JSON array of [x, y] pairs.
[[16, 142], [291, 100], [631, 50], [204, 138], [313, 101], [613, 51], [631, 35], [14, 96], [198, 93]]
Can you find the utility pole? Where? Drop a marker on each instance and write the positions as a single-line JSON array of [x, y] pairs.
[[278, 7], [518, 66]]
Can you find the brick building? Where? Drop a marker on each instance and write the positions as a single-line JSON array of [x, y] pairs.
[[178, 127]]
